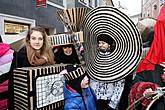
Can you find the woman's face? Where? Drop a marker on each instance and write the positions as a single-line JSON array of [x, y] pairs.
[[103, 45], [67, 50], [85, 82], [36, 40]]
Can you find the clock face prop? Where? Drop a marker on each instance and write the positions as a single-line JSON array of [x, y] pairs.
[[49, 89]]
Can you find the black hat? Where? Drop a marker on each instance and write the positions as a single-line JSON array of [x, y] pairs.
[[105, 38], [74, 76]]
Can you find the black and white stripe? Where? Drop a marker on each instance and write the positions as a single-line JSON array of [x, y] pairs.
[[25, 87], [64, 39], [74, 74], [127, 54]]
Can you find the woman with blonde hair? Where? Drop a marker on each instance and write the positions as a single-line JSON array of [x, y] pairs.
[[37, 51]]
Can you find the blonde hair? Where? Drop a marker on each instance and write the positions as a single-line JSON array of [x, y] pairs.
[[46, 49]]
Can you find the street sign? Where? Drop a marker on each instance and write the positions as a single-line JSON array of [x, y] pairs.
[[40, 3]]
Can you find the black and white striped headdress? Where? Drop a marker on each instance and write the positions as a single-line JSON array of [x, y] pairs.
[[128, 44], [74, 74]]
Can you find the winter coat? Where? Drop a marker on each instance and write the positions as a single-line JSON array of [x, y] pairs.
[[74, 100]]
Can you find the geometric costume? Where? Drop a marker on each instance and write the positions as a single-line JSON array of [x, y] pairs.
[[128, 44]]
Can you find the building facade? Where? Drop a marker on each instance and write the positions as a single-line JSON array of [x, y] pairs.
[[81, 3], [17, 16], [151, 8]]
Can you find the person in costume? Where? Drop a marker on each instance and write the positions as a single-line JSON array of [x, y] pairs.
[[150, 75], [66, 54], [108, 94], [77, 93], [113, 47], [36, 52]]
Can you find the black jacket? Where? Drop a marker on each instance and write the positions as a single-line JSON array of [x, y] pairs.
[[21, 58]]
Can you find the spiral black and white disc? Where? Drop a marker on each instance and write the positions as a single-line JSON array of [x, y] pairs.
[[128, 44]]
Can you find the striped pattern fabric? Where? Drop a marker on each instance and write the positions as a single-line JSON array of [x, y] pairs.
[[74, 74], [73, 18], [25, 86], [126, 56], [64, 39]]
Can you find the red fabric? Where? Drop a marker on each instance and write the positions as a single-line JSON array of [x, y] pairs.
[[138, 90], [4, 104], [4, 86], [156, 54], [4, 48]]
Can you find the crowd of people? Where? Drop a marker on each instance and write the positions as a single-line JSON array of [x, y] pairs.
[[81, 92]]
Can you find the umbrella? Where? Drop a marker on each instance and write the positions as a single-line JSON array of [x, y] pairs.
[[145, 27]]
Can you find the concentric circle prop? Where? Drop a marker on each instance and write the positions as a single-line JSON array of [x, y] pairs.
[[128, 44]]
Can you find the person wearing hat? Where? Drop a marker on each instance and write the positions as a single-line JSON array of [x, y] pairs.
[[66, 54], [77, 93], [105, 43], [108, 93], [113, 49]]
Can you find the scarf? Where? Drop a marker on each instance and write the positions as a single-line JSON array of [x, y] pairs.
[[35, 58]]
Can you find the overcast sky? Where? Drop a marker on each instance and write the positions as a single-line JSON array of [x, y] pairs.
[[133, 6]]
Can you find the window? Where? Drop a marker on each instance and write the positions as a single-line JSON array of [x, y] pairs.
[[90, 3], [155, 7], [15, 28]]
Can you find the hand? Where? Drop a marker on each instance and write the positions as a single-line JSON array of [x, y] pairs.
[[63, 72], [148, 93]]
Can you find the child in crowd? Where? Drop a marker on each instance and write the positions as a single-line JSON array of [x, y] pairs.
[[77, 92]]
